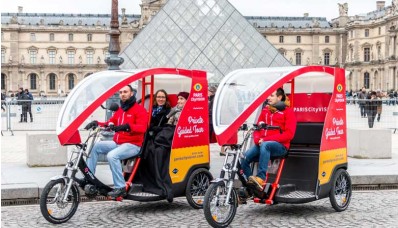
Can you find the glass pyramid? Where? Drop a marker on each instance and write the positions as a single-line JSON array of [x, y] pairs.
[[208, 35]]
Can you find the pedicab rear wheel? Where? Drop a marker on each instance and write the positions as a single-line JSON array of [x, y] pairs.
[[340, 194], [52, 206], [219, 213], [197, 185]]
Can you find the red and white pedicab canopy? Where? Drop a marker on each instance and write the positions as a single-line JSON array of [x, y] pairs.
[[241, 92]]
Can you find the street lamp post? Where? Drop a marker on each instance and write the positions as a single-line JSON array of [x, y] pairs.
[[114, 61]]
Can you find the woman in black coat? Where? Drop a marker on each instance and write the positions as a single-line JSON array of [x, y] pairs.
[[160, 108], [371, 107]]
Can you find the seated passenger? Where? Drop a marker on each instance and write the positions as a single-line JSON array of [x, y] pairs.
[[175, 112], [129, 122], [160, 108], [270, 143]]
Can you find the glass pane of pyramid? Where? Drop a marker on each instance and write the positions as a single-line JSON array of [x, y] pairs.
[[207, 35]]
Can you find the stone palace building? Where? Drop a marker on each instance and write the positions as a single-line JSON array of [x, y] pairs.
[[50, 53]]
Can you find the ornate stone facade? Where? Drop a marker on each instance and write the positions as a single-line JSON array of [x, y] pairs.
[[52, 52]]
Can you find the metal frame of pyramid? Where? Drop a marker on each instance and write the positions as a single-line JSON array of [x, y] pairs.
[[208, 35]]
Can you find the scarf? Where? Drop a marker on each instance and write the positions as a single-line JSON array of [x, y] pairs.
[[128, 104], [156, 110], [272, 109]]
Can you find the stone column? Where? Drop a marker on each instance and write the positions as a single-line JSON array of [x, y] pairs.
[[391, 47]]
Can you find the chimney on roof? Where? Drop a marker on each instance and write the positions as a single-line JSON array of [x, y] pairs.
[[380, 5], [20, 9], [306, 14]]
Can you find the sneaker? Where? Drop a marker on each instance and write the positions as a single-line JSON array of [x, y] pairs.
[[259, 183], [117, 192]]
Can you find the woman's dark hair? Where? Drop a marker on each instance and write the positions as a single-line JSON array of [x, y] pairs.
[[281, 92], [167, 104]]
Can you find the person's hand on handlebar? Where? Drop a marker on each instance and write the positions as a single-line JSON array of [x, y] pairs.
[[91, 125], [124, 127]]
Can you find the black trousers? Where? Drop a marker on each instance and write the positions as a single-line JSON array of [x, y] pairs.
[[371, 119]]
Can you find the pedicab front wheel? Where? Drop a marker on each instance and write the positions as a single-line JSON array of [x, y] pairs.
[[340, 194], [218, 212], [52, 206], [197, 185]]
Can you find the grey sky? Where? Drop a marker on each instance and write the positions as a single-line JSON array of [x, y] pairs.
[[315, 8]]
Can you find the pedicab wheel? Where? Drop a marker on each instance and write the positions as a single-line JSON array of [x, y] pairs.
[[340, 194], [196, 187], [219, 213], [52, 206]]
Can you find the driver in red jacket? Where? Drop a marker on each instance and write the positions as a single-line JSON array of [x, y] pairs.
[[129, 122], [270, 143]]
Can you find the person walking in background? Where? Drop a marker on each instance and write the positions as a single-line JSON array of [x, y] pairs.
[[3, 102], [371, 108], [362, 101], [380, 96], [29, 105], [23, 98]]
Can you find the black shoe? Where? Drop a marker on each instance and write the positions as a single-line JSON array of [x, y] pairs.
[[31, 120], [117, 192]]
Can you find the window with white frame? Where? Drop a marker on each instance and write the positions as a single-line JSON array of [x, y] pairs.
[[32, 37], [33, 81], [89, 37], [281, 39], [326, 59], [366, 32], [51, 56], [327, 39], [71, 57], [52, 81], [33, 56], [3, 55], [70, 37], [366, 54], [298, 58], [298, 39], [366, 79], [52, 37], [71, 81], [90, 56]]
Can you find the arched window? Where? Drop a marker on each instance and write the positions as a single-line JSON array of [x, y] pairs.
[[366, 80], [33, 81], [52, 80], [71, 81], [3, 81]]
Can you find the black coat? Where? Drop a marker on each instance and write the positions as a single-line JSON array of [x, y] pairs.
[[371, 105], [160, 119], [153, 171]]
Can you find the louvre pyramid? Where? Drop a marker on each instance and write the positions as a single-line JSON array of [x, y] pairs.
[[209, 35]]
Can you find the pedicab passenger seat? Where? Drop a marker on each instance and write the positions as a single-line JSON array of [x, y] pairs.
[[307, 138]]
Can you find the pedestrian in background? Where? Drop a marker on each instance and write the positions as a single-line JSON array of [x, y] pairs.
[[29, 104], [23, 100], [380, 96], [371, 108], [3, 102], [362, 101]]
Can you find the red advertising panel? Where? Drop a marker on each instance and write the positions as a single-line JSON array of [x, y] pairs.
[[334, 132], [311, 107], [193, 126]]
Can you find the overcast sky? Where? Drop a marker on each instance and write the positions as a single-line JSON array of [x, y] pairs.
[[315, 8]]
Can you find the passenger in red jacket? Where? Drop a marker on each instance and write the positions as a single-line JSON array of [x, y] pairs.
[[129, 122], [270, 143]]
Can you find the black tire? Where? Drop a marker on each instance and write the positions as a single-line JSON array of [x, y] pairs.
[[214, 210], [341, 191], [51, 202], [196, 188]]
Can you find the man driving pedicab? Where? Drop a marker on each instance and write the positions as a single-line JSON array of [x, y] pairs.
[[130, 123], [270, 142]]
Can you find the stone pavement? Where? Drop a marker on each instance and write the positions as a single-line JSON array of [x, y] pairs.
[[18, 181]]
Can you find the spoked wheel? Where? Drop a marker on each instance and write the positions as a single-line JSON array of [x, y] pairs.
[[340, 194], [52, 206], [218, 212], [196, 188]]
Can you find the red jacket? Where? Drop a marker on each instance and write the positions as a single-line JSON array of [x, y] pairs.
[[285, 119], [137, 118]]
